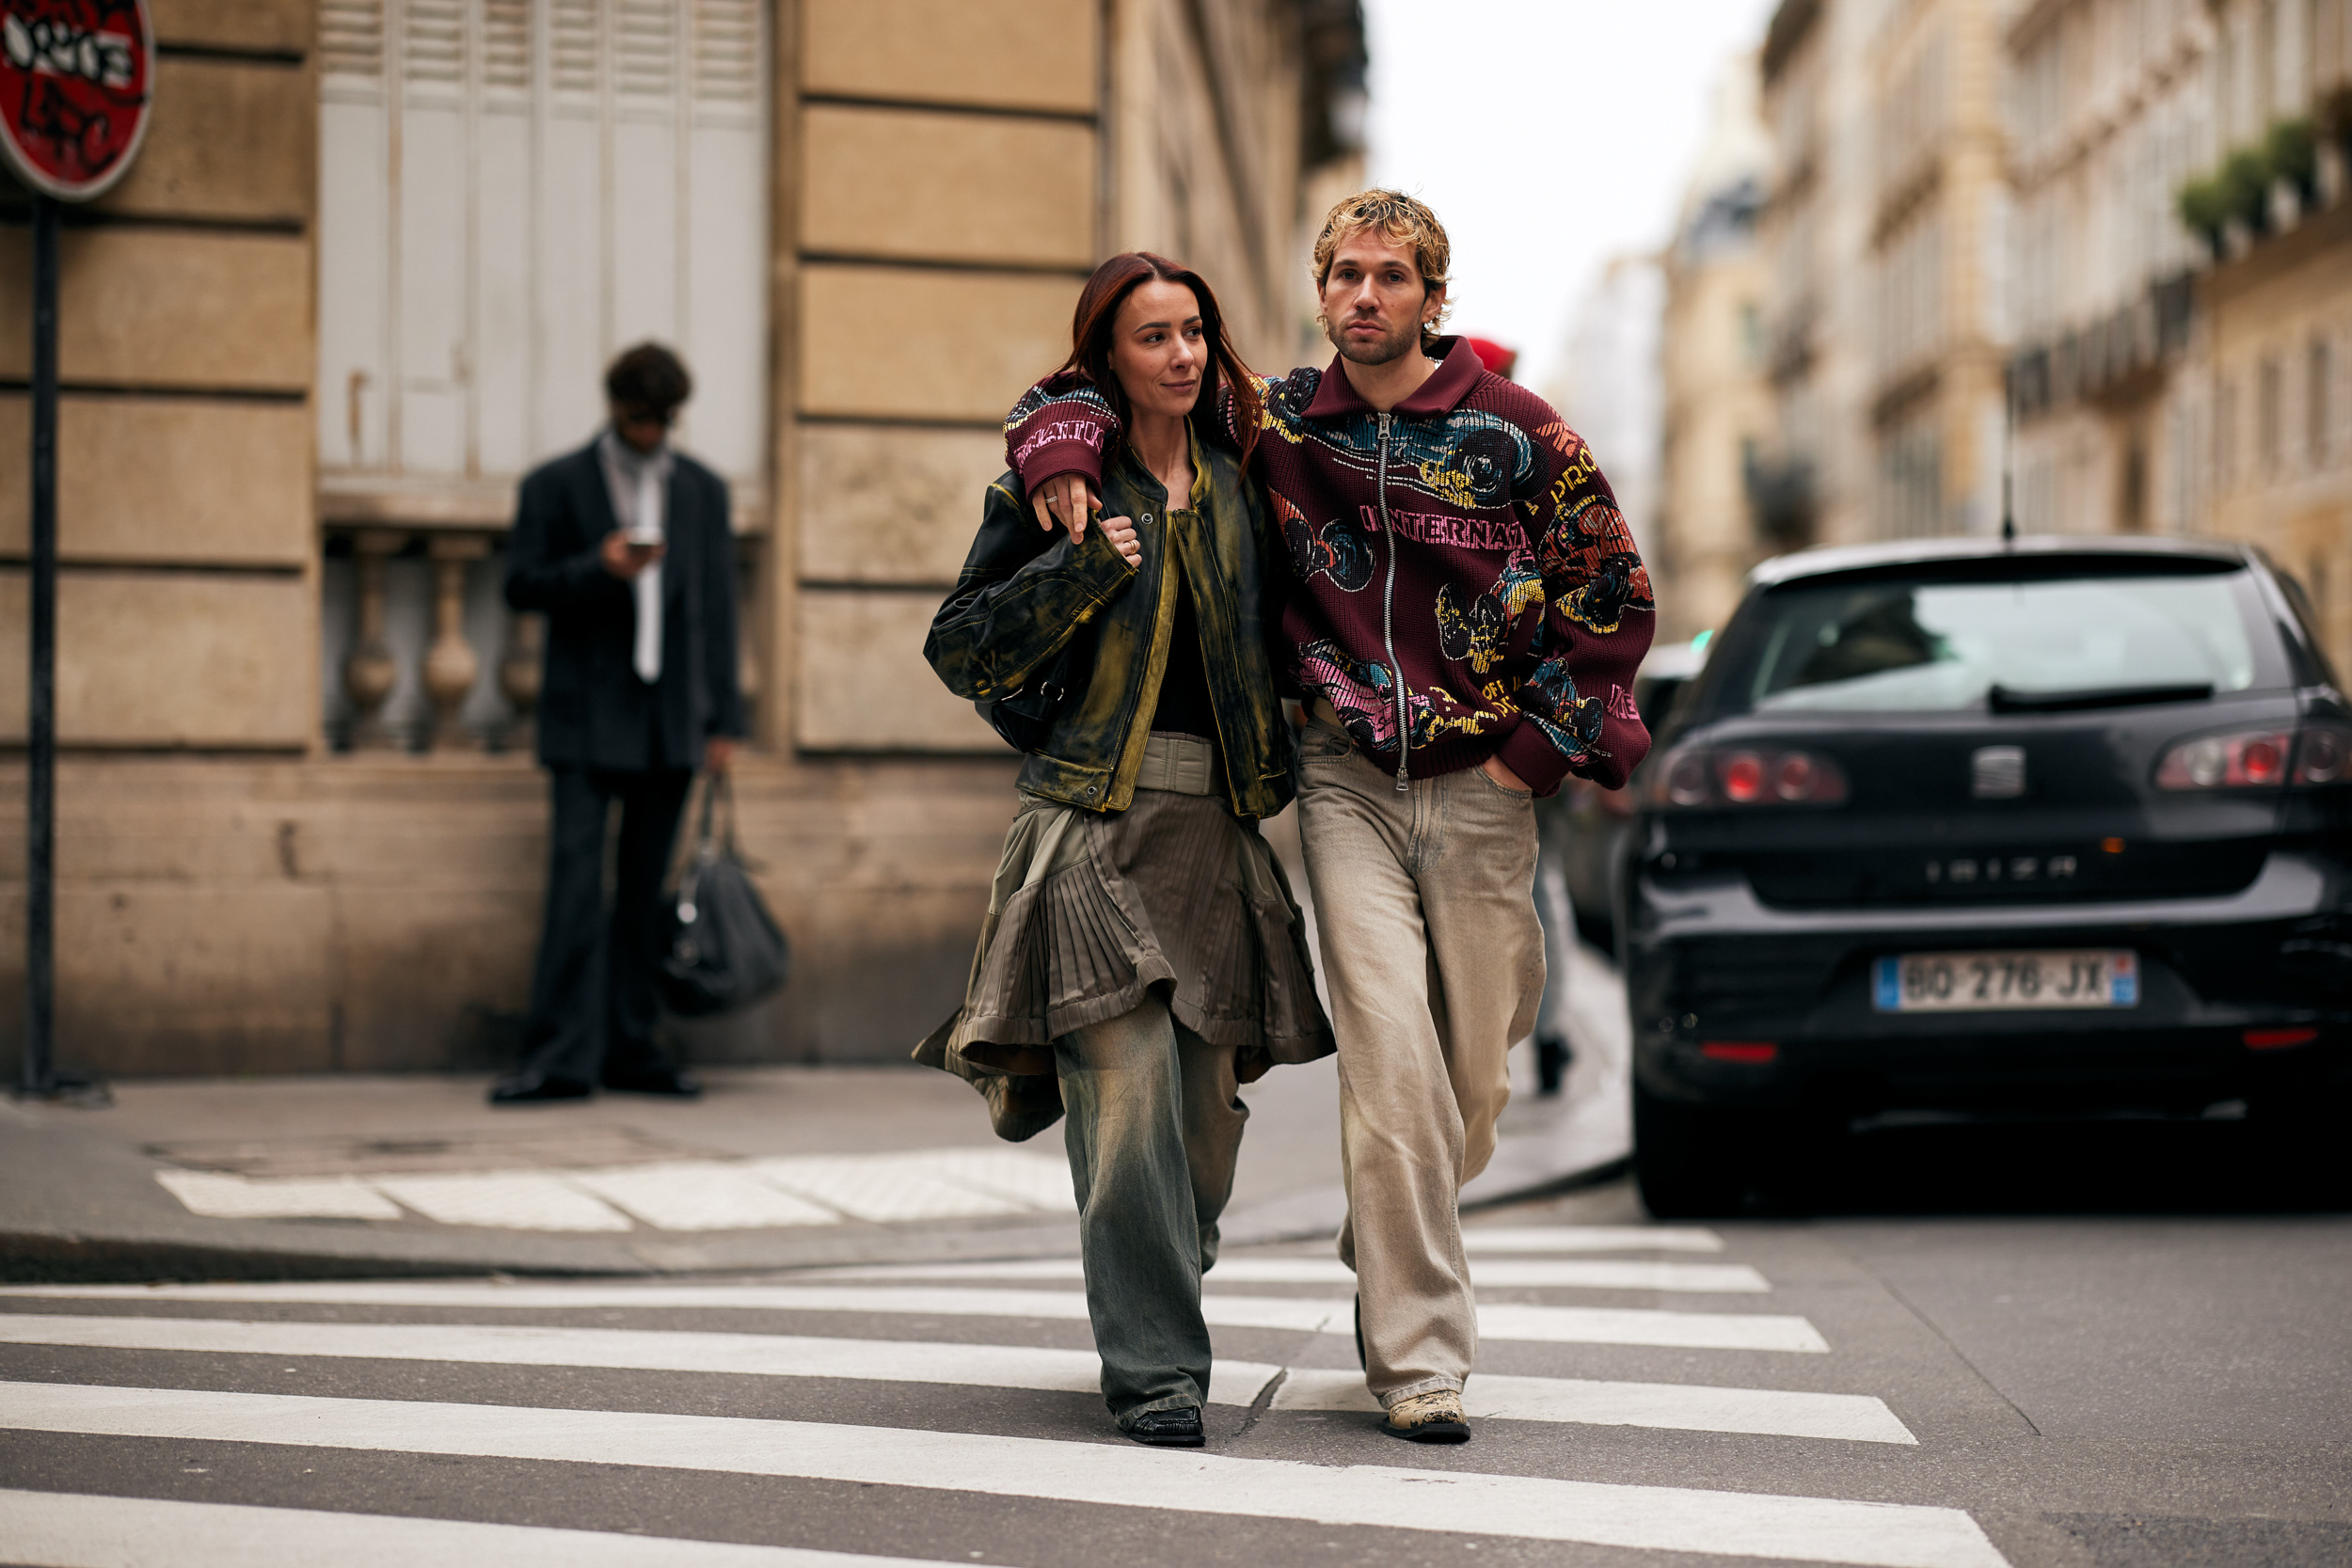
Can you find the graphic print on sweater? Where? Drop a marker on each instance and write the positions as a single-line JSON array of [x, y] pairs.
[[1339, 550]]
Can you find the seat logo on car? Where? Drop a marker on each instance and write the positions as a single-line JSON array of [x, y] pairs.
[[1997, 772]]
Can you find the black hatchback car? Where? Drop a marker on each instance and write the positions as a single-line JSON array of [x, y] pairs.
[[1964, 826]]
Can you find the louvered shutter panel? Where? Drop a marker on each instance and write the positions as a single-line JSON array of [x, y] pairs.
[[510, 192]]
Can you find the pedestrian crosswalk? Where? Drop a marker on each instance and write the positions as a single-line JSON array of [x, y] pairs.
[[280, 1380]]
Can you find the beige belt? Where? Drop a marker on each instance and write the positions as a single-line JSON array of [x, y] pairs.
[[1180, 764]]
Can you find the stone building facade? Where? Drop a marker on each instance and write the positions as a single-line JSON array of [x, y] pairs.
[[2272, 364], [2113, 115], [1814, 237], [365, 273], [2183, 276], [1886, 240], [1717, 403]]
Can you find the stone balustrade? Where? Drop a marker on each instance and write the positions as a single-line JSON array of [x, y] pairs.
[[419, 652]]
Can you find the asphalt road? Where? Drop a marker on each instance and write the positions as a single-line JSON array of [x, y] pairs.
[[2068, 1352]]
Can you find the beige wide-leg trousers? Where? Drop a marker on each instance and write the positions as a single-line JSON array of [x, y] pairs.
[[1425, 909]]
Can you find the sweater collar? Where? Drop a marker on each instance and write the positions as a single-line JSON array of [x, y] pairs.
[[1458, 370]]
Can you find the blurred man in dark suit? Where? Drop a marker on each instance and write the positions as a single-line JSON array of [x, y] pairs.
[[625, 545]]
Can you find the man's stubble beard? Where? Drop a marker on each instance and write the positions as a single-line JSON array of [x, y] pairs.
[[1382, 353]]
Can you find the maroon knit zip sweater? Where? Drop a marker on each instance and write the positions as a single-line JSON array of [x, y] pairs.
[[1459, 568]]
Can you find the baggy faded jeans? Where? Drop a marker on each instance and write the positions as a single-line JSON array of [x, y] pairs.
[[1154, 1129], [1425, 904]]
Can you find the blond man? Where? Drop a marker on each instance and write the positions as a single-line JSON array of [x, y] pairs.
[[1464, 614]]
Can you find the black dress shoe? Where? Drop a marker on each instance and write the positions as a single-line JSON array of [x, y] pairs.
[[530, 1087], [656, 1080], [1170, 1429]]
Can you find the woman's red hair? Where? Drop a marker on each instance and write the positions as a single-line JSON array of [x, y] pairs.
[[1091, 328]]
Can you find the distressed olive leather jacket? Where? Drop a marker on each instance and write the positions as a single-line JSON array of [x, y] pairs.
[[1025, 594]]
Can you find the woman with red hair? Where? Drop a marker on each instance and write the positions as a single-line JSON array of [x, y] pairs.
[[1142, 956]]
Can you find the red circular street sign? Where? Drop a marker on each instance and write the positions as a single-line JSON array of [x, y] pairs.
[[75, 77]]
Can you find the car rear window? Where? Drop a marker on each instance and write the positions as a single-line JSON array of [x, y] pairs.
[[1934, 644]]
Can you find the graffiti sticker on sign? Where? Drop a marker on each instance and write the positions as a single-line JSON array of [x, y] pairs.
[[75, 76]]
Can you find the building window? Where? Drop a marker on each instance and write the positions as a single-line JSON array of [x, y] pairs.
[[1911, 476], [2131, 511], [509, 191], [2319, 382], [2225, 437], [2268, 416]]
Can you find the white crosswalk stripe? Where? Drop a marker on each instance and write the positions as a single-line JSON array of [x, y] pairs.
[[1500, 1272], [1661, 1518], [1601, 1325], [63, 1529], [1482, 1239], [514, 1345], [226, 1350], [1770, 1412]]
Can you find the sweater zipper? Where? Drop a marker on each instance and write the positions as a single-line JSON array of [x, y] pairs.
[[1388, 615]]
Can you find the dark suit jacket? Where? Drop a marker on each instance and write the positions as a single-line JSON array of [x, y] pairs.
[[594, 712]]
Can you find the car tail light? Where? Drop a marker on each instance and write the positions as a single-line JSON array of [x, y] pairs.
[[2323, 754], [1745, 1052], [2258, 759], [2276, 1039], [1696, 776]]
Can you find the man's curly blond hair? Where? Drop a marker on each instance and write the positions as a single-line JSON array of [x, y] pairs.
[[1402, 221]]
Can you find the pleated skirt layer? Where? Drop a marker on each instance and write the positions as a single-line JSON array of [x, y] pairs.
[[1173, 892]]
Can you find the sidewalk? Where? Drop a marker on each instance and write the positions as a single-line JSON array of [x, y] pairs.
[[775, 1168]]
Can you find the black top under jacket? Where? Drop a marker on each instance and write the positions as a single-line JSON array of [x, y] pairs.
[[594, 712]]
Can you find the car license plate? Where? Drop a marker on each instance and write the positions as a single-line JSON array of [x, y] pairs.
[[2007, 982]]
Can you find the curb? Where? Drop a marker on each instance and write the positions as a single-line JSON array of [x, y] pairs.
[[32, 1257]]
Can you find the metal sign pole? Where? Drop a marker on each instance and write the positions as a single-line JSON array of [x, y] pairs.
[[40, 748], [77, 83]]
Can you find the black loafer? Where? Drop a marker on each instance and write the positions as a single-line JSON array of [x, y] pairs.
[[536, 1088], [656, 1080], [1170, 1429]]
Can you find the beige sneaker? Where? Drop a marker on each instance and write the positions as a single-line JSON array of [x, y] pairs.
[[1432, 1417]]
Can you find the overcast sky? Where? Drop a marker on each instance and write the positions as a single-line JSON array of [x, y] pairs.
[[1548, 135]]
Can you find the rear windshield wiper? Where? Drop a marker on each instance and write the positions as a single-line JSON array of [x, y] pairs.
[[2002, 699]]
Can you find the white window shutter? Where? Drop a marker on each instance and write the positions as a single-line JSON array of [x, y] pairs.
[[510, 192]]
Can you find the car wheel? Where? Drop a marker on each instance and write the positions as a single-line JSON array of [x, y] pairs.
[[1686, 1158]]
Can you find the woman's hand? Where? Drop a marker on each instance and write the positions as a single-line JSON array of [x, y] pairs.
[[1120, 531], [1064, 501]]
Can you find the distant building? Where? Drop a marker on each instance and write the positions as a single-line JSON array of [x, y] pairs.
[[2272, 365], [1887, 242], [366, 273], [2183, 276], [1815, 478], [1717, 403], [1606, 384], [2113, 116]]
